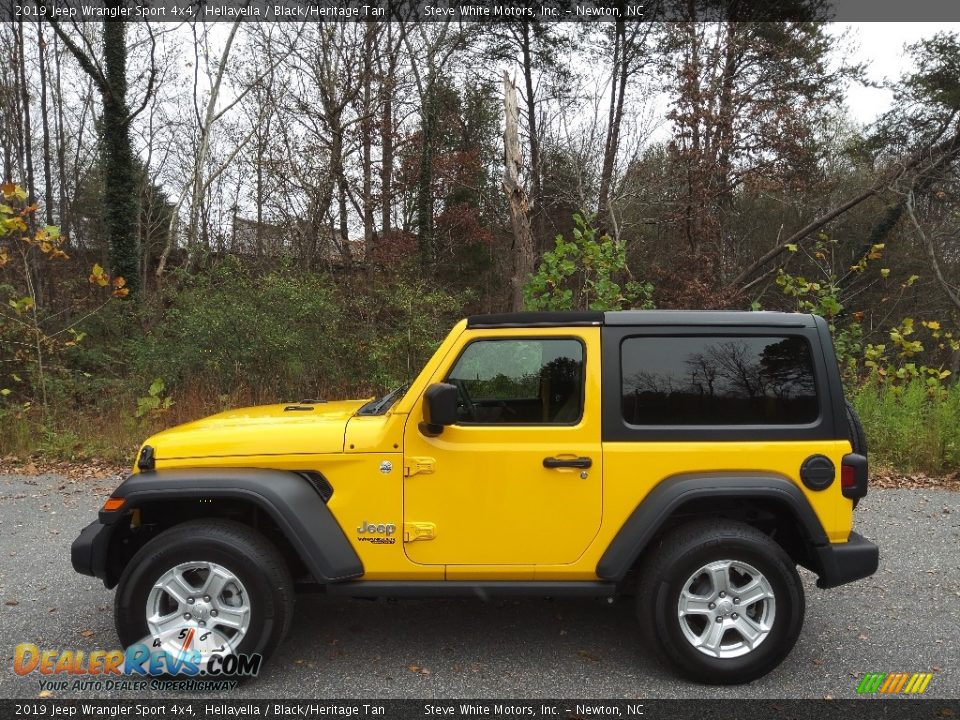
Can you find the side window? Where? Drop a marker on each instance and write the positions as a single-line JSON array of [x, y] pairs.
[[520, 382], [747, 380]]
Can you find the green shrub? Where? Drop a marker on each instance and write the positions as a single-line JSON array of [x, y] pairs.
[[288, 335], [230, 328], [910, 430], [391, 332], [585, 273]]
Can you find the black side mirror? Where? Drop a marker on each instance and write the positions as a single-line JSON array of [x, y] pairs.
[[439, 408]]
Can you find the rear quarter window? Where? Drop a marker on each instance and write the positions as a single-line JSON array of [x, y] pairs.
[[718, 380]]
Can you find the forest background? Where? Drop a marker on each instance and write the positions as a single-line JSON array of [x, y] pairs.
[[198, 216]]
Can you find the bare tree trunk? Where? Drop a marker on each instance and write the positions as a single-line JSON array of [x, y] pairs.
[[61, 148], [261, 151], [121, 211], [536, 173], [27, 126], [199, 183], [695, 188], [523, 258], [16, 110], [366, 133], [424, 197], [386, 165], [47, 174], [8, 122], [344, 230], [618, 79], [386, 134], [724, 140], [194, 185]]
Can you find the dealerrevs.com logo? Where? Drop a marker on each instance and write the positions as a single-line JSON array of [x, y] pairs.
[[898, 683], [189, 660]]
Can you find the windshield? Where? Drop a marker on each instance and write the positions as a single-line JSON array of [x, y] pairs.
[[381, 405]]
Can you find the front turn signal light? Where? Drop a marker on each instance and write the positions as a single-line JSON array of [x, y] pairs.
[[112, 504]]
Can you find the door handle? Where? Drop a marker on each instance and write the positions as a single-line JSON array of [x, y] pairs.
[[580, 462]]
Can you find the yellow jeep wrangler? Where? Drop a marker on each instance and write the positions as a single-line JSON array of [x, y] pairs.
[[690, 460]]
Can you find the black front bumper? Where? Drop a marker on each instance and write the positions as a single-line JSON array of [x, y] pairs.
[[90, 552], [842, 563]]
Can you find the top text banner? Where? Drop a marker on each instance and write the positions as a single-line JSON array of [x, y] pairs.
[[483, 11]]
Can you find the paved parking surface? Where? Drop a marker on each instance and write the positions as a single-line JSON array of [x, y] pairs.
[[905, 618]]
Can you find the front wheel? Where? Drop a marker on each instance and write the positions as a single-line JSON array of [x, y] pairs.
[[721, 601], [217, 584]]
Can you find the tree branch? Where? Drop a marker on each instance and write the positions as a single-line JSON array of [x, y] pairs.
[[810, 227], [945, 150], [152, 79], [931, 252], [88, 64]]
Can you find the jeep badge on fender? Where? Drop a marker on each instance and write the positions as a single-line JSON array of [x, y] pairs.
[[687, 460], [366, 527]]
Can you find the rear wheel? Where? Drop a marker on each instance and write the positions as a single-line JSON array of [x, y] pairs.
[[721, 601]]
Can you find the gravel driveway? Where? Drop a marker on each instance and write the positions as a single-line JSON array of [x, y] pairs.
[[905, 618]]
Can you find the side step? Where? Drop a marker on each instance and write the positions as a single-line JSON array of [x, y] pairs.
[[467, 588]]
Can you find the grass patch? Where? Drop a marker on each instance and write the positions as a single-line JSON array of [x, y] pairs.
[[111, 431], [908, 430]]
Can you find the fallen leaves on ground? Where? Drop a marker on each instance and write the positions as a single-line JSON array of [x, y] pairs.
[[884, 478], [93, 469]]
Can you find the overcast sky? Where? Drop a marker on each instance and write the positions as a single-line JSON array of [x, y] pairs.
[[881, 48]]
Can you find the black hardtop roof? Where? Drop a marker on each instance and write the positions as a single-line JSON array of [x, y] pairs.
[[722, 318]]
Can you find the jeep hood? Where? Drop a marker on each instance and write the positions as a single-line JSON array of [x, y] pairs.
[[289, 429]]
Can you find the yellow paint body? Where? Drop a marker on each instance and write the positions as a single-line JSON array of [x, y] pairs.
[[475, 502]]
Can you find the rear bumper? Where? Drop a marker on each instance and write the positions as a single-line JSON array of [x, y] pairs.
[[88, 554], [845, 562]]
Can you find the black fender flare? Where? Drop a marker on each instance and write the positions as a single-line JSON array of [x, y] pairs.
[[287, 497], [673, 492]]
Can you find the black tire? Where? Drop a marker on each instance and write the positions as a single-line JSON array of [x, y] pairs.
[[858, 439], [679, 554], [253, 559]]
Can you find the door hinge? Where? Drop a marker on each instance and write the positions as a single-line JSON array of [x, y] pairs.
[[418, 465], [413, 531]]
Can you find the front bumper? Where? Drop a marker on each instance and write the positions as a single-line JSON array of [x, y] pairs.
[[90, 551], [845, 562]]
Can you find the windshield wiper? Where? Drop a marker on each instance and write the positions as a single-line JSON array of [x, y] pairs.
[[378, 407]]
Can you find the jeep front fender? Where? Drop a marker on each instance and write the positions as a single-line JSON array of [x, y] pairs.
[[287, 497]]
